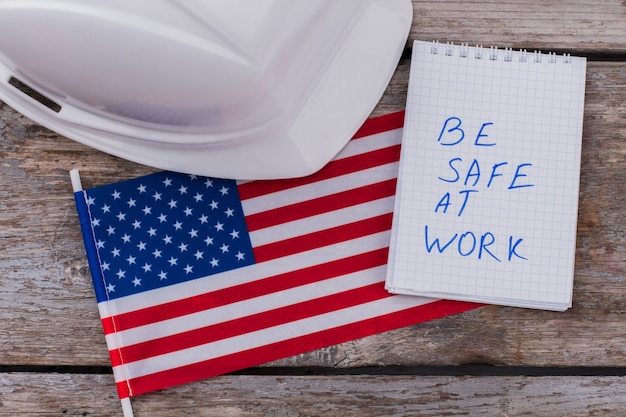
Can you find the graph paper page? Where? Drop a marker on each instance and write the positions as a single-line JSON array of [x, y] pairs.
[[487, 195]]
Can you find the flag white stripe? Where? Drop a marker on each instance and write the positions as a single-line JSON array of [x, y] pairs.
[[370, 143], [243, 275], [269, 335], [321, 221], [320, 189], [246, 307]]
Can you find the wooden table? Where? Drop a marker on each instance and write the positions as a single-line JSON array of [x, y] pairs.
[[493, 361]]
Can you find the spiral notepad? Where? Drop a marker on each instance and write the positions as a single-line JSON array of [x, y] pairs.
[[487, 194]]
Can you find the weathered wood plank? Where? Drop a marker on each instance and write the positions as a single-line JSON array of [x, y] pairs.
[[576, 25], [93, 395], [48, 312]]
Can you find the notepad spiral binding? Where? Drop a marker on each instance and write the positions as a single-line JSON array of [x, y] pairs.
[[494, 54]]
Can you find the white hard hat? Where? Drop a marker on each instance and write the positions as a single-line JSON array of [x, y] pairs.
[[244, 89]]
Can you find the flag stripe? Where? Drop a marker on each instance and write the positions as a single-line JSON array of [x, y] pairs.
[[370, 143], [242, 291], [321, 221], [381, 124], [333, 169], [320, 205], [251, 306], [251, 323], [270, 335], [266, 353], [323, 238], [319, 189]]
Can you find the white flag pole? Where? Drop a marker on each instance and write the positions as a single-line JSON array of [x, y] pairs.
[[77, 186], [127, 408]]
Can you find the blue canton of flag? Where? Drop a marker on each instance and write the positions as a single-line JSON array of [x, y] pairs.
[[166, 228]]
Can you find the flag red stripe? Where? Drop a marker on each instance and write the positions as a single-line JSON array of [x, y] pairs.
[[241, 292], [381, 124], [333, 169], [321, 205], [322, 238], [309, 342], [251, 323]]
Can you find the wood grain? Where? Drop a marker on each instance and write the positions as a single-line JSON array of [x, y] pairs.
[[358, 396], [573, 25]]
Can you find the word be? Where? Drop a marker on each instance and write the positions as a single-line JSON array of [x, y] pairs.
[[458, 134]]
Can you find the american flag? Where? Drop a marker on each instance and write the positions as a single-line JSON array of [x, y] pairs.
[[197, 277]]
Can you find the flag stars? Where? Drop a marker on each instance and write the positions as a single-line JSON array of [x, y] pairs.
[[193, 177], [91, 201], [167, 234]]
